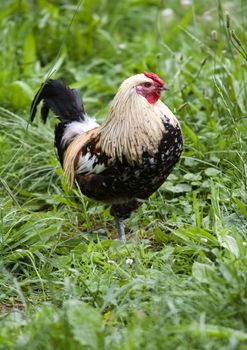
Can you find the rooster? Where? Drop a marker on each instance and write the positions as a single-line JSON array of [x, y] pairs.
[[127, 158]]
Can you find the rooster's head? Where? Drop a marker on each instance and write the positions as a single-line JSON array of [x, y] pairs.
[[148, 85]]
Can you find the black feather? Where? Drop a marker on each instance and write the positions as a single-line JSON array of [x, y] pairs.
[[44, 112], [66, 103]]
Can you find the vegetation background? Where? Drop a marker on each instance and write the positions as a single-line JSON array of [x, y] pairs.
[[180, 280]]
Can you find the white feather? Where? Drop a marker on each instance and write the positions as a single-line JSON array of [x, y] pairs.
[[87, 164], [76, 128]]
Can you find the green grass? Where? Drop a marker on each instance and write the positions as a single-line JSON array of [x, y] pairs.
[[180, 281]]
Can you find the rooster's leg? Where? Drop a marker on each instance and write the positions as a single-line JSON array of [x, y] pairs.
[[121, 212], [120, 228]]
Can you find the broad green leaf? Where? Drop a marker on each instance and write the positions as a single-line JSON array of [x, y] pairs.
[[202, 272], [212, 172], [20, 94], [190, 133], [179, 188], [29, 55], [86, 324], [230, 244], [242, 206]]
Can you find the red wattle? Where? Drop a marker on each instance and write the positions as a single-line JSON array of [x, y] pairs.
[[152, 98]]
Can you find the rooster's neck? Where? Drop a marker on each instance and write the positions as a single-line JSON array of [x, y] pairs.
[[133, 126]]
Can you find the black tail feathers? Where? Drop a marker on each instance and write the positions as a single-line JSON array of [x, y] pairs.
[[66, 103]]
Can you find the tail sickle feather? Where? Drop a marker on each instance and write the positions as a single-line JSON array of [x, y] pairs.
[[66, 103]]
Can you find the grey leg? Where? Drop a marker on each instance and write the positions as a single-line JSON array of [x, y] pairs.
[[120, 228]]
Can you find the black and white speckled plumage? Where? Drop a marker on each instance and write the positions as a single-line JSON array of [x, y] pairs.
[[122, 184]]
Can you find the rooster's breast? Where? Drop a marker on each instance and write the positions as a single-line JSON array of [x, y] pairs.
[[123, 181]]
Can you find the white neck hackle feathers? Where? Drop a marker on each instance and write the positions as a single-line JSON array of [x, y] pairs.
[[133, 124]]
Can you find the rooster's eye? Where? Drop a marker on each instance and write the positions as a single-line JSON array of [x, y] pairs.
[[147, 85]]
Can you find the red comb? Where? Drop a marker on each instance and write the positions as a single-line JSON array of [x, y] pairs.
[[155, 78]]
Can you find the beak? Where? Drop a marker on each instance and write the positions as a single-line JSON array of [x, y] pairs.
[[164, 88]]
